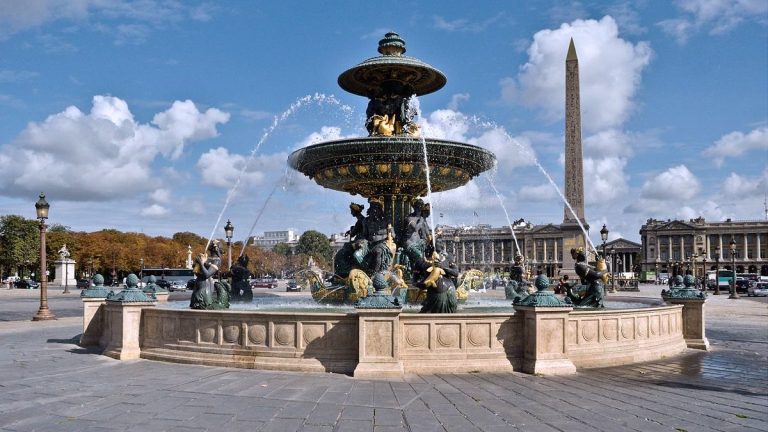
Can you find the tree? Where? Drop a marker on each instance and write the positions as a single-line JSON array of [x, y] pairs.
[[282, 249], [316, 245], [19, 241]]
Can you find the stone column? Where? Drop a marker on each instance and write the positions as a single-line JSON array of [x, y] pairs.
[[544, 332], [745, 254], [669, 246], [720, 245], [658, 249], [379, 344], [759, 254]]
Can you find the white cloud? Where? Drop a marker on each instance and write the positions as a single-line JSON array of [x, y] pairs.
[[161, 195], [102, 155], [608, 143], [327, 133], [542, 192], [154, 210], [674, 185], [218, 167], [746, 187], [737, 143], [714, 16], [610, 72], [510, 151], [457, 99], [604, 179]]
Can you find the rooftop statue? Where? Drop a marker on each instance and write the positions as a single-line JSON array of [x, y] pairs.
[[591, 292]]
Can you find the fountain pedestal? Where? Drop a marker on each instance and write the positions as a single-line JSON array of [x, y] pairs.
[[545, 350], [379, 344], [693, 321]]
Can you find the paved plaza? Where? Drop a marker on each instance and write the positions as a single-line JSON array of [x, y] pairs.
[[49, 383]]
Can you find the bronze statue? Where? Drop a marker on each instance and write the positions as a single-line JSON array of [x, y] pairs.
[[208, 292], [439, 283], [376, 251], [344, 260], [241, 276], [417, 232], [591, 292]]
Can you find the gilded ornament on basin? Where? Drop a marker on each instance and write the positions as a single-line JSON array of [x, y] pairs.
[[383, 168], [361, 169]]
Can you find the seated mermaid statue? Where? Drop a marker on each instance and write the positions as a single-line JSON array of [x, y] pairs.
[[592, 292], [208, 292]]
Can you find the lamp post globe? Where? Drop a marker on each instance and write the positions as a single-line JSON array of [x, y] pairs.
[[734, 294], [41, 210], [229, 230]]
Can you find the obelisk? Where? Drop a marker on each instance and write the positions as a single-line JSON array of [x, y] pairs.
[[573, 236]]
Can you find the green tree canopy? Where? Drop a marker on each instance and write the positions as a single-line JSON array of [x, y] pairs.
[[19, 241], [315, 244], [282, 249]]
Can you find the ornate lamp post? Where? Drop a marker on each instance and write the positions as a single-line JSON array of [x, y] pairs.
[[229, 229], [141, 271], [734, 295], [41, 207], [717, 272], [456, 242], [604, 237]]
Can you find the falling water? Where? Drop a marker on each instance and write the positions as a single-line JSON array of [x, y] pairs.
[[491, 125], [503, 207], [258, 216], [317, 98], [414, 107], [429, 192]]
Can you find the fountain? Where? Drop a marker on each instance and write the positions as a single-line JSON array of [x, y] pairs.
[[392, 249], [391, 167]]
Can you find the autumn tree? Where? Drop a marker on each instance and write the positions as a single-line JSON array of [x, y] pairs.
[[19, 242]]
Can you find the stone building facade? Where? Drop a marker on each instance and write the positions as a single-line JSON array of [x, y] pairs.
[[696, 243]]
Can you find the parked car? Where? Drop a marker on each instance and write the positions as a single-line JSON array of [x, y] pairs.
[[162, 283], [83, 284], [26, 284], [758, 289], [177, 285], [264, 283], [293, 286]]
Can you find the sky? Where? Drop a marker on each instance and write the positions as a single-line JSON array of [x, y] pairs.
[[160, 116]]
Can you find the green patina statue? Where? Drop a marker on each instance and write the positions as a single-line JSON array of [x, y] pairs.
[[152, 287], [683, 288], [439, 283], [591, 292], [517, 287], [208, 292]]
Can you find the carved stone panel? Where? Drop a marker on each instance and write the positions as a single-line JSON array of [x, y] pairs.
[[208, 329], [312, 333], [611, 329], [589, 330], [627, 328], [416, 337], [231, 332], [285, 335], [169, 329], [447, 336], [378, 338], [479, 335], [187, 330], [257, 334]]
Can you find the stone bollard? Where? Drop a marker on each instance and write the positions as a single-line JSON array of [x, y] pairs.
[[545, 320], [122, 321], [683, 292], [93, 299]]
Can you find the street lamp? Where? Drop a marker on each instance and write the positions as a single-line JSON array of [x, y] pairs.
[[41, 207], [229, 229], [141, 270], [717, 272], [604, 237], [734, 295], [456, 242]]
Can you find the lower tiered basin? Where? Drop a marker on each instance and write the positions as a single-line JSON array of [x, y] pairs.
[[333, 339], [375, 166]]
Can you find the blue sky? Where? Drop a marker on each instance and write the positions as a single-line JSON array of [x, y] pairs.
[[142, 115]]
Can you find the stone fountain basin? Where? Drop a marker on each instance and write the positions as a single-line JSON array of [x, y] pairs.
[[330, 341], [374, 166]]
